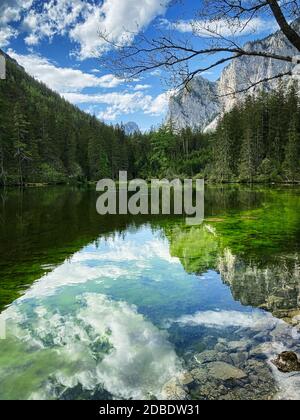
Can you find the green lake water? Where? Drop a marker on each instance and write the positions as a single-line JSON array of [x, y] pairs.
[[145, 307]]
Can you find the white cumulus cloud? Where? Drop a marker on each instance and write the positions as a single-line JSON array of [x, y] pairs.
[[121, 19], [159, 105], [71, 83], [222, 27], [62, 79], [79, 20], [103, 343], [142, 87], [6, 34], [123, 103], [223, 319], [11, 11], [56, 17]]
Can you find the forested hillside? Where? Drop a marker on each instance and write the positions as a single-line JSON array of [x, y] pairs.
[[44, 139], [258, 141]]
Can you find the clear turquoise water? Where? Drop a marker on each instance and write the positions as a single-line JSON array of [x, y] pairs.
[[128, 312]]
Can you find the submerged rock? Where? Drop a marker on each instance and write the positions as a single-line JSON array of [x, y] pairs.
[[224, 371], [239, 358], [237, 346], [260, 352], [206, 357], [287, 362], [200, 375], [221, 348], [186, 379], [174, 390]]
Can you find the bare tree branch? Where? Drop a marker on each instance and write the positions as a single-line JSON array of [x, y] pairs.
[[254, 84], [174, 55]]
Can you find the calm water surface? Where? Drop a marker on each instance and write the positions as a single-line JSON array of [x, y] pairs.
[[146, 307]]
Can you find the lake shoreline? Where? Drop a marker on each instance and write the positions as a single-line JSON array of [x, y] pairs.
[[94, 183]]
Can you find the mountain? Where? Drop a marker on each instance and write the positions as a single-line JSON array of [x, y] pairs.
[[198, 106], [195, 107], [262, 287], [244, 71], [131, 128]]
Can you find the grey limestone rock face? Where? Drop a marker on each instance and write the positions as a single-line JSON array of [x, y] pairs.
[[201, 105], [196, 107]]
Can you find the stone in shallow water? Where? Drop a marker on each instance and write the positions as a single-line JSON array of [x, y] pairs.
[[239, 358], [200, 375], [225, 372], [186, 378], [220, 348], [287, 362], [173, 390], [260, 352], [206, 357], [242, 345]]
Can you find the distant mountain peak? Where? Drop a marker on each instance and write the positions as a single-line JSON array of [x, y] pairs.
[[131, 128]]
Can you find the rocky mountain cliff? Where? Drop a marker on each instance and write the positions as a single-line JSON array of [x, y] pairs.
[[131, 128], [196, 107], [243, 72], [204, 101]]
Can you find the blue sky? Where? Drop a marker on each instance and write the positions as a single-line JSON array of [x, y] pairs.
[[57, 41]]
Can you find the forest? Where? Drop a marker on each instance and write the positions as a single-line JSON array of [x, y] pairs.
[[44, 139], [257, 141]]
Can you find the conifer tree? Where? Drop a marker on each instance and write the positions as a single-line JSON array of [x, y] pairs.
[[292, 159], [20, 132]]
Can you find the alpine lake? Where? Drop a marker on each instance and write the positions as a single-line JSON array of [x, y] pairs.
[[146, 307]]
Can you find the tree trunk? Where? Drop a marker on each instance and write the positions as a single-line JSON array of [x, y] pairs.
[[286, 28], [2, 170]]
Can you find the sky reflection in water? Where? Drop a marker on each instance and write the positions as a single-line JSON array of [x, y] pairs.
[[114, 320], [131, 311]]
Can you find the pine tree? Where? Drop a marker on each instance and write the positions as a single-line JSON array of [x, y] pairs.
[[292, 159], [223, 152], [20, 131], [3, 127], [247, 165]]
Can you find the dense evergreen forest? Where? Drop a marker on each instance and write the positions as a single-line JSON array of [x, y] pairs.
[[258, 141], [44, 139]]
